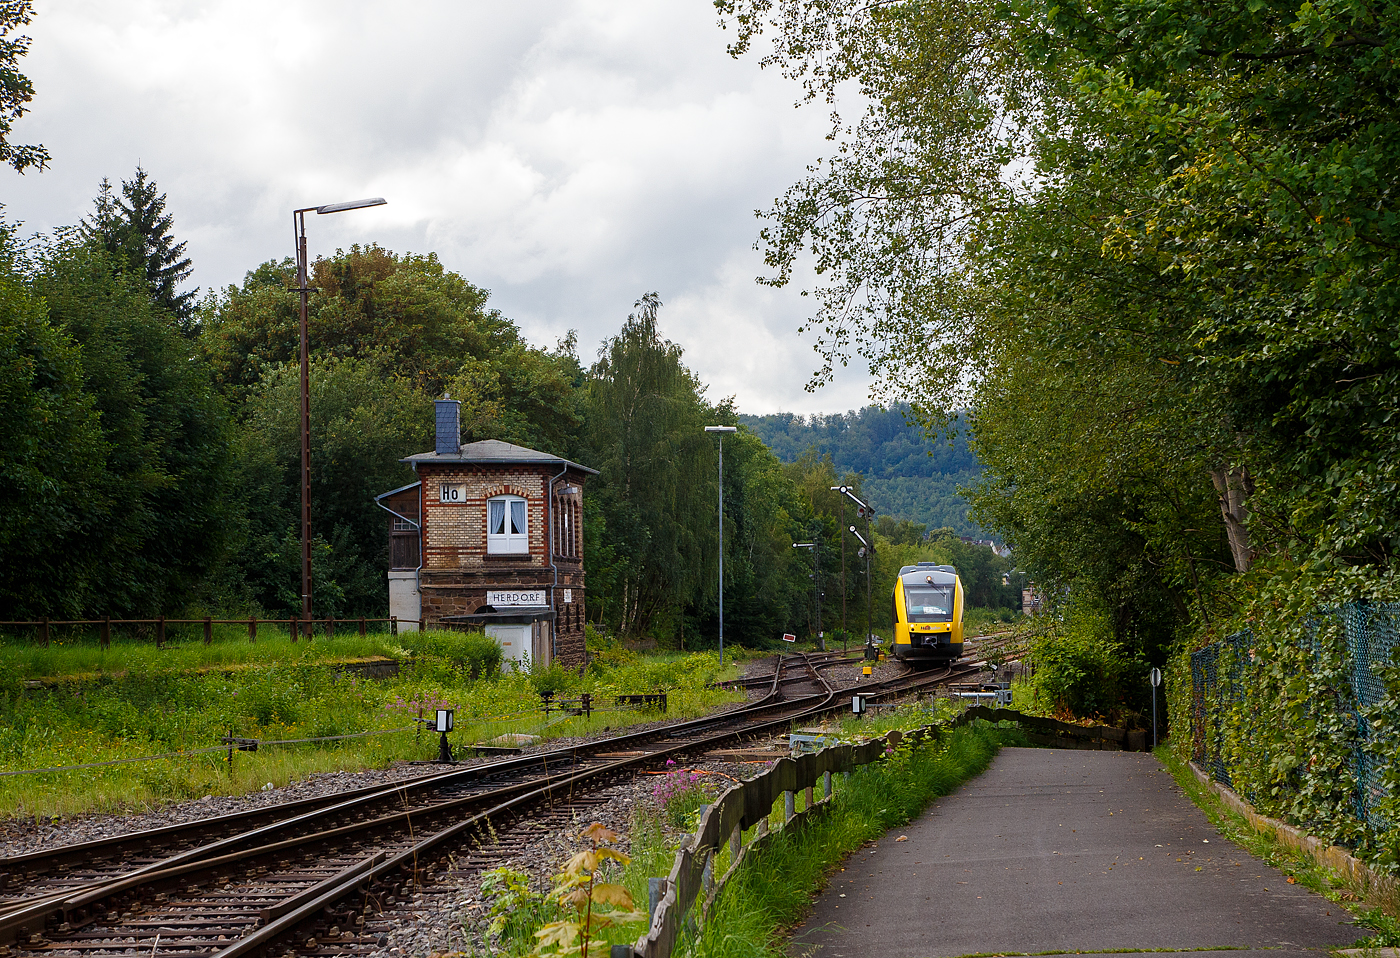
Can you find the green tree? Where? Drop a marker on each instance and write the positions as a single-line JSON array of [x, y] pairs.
[[15, 88], [424, 319], [1153, 250], [767, 592], [51, 456], [134, 229], [645, 420], [364, 419], [159, 512]]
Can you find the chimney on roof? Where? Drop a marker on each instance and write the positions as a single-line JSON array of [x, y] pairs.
[[449, 428]]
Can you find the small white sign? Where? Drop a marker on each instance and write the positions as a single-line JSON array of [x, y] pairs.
[[518, 598], [568, 596], [452, 493]]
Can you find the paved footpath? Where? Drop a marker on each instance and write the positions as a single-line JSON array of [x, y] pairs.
[[1054, 850]]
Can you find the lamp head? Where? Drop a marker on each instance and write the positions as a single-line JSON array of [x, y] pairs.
[[351, 205]]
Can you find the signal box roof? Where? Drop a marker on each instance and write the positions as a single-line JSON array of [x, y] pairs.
[[494, 452]]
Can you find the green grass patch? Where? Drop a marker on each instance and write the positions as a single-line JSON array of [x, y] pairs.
[[98, 707]]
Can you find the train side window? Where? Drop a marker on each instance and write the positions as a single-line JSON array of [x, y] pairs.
[[506, 532]]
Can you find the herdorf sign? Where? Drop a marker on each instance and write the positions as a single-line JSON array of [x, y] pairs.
[[533, 597]]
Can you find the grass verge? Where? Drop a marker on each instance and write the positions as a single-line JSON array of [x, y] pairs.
[[108, 706], [773, 889], [1383, 918]]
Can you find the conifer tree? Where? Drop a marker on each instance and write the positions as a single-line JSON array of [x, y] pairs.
[[135, 228]]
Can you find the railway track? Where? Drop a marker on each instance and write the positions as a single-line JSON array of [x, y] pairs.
[[313, 878], [818, 660]]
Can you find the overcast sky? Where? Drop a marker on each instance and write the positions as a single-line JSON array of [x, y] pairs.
[[567, 156]]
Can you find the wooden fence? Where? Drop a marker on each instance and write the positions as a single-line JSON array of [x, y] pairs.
[[748, 804], [305, 627]]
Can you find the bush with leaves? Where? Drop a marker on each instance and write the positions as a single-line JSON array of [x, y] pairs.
[[595, 904], [1080, 671], [516, 909]]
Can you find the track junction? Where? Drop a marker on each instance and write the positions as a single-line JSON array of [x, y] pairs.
[[322, 876]]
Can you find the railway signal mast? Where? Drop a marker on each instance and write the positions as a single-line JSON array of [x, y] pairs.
[[867, 549], [816, 546]]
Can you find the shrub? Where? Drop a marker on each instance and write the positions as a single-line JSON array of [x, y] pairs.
[[679, 794], [516, 909], [550, 678], [1080, 670], [473, 654]]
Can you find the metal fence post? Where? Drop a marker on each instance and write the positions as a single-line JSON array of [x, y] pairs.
[[107, 632], [393, 625], [826, 784], [789, 801], [208, 630], [252, 630], [160, 632], [736, 844]]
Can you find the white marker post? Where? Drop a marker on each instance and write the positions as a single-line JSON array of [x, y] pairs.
[[1154, 678]]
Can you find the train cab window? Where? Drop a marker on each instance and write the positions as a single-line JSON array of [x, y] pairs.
[[505, 526], [929, 603]]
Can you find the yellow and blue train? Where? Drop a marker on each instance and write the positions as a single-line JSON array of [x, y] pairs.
[[928, 614]]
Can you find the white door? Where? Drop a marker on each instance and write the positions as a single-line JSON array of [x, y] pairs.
[[514, 641]]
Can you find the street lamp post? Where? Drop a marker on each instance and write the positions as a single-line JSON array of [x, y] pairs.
[[721, 430], [299, 234]]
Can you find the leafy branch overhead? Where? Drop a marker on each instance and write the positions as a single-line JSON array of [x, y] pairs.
[[1155, 252], [15, 88]]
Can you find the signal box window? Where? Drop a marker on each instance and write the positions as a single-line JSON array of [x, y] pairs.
[[505, 526]]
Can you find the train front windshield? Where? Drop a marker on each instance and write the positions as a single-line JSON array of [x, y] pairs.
[[929, 603]]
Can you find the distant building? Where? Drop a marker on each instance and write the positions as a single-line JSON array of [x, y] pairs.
[[491, 534], [1000, 550], [1032, 601]]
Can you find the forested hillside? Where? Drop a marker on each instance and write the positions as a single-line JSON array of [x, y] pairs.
[[906, 475]]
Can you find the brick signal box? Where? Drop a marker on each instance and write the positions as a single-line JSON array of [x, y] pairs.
[[491, 534]]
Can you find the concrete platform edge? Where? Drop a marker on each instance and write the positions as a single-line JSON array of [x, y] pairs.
[[1354, 871]]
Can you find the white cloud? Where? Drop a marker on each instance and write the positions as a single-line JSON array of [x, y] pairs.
[[569, 156]]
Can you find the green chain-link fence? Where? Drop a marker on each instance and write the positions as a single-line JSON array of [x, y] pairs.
[[1218, 682]]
